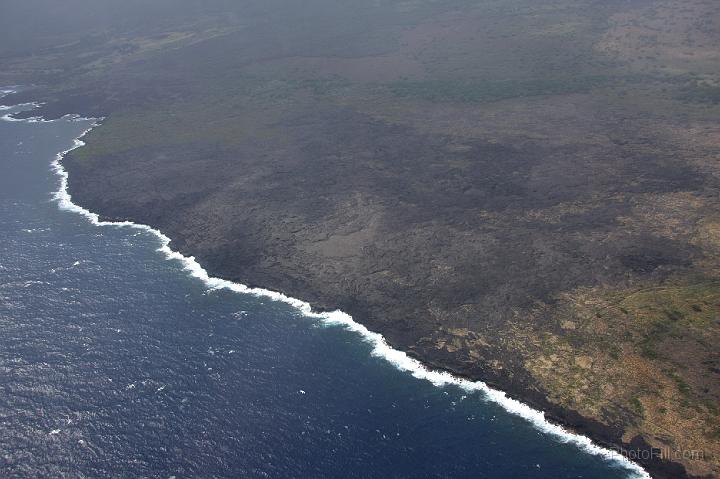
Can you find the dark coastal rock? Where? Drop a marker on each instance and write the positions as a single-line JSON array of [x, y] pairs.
[[521, 194]]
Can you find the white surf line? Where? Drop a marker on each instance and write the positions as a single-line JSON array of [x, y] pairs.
[[380, 347], [32, 105]]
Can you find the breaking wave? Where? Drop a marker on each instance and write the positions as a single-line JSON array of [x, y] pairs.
[[380, 347]]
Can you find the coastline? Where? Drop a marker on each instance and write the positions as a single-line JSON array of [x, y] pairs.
[[551, 422]]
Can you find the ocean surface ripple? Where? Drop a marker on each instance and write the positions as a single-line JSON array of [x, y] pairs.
[[116, 362]]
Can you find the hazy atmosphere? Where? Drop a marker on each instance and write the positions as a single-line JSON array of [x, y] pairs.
[[520, 193]]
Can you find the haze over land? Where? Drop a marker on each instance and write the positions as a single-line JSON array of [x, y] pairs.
[[524, 192]]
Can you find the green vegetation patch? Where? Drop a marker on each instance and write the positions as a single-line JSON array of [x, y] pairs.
[[637, 406]]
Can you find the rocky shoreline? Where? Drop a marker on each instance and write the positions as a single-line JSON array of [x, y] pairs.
[[519, 193], [638, 450]]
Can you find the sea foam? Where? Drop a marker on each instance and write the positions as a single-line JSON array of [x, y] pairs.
[[380, 347]]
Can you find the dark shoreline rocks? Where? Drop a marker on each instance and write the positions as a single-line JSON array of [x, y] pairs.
[[609, 437], [485, 231], [150, 194], [527, 199]]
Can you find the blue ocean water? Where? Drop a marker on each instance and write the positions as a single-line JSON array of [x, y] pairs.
[[114, 362]]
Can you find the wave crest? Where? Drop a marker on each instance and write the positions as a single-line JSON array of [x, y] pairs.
[[380, 347]]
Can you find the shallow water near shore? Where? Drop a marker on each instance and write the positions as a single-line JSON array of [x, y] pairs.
[[116, 361]]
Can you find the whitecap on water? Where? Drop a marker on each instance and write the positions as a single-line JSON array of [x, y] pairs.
[[380, 347]]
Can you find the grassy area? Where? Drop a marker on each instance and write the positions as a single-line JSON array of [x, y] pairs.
[[651, 351]]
